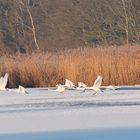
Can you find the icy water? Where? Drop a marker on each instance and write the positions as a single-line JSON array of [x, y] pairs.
[[108, 134], [48, 115]]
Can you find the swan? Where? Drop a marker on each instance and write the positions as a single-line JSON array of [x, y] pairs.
[[3, 82], [81, 86], [60, 88], [21, 89], [69, 84], [97, 84]]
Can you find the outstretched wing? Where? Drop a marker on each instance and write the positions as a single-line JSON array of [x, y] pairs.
[[69, 83], [66, 82], [21, 89], [98, 82], [3, 81]]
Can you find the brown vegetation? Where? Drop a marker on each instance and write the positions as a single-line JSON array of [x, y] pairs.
[[118, 66], [51, 25]]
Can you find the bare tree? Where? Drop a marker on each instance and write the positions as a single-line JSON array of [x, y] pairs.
[[126, 21], [32, 22]]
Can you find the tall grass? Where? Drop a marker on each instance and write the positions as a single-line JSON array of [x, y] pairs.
[[118, 66]]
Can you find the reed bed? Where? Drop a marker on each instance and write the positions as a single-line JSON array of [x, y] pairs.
[[117, 65]]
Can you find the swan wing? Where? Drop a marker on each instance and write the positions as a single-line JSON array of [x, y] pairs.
[[3, 81], [98, 82]]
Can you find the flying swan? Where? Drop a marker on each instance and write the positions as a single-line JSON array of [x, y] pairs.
[[60, 88], [81, 86], [97, 85], [69, 84]]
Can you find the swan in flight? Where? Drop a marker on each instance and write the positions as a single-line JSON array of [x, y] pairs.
[[69, 84], [3, 82], [97, 84], [60, 88], [21, 89], [81, 86]]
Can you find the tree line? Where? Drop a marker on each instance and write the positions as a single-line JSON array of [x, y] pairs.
[[52, 25]]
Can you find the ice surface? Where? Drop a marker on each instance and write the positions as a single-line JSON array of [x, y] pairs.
[[45, 110]]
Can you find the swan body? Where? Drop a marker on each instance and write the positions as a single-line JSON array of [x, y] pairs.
[[81, 86]]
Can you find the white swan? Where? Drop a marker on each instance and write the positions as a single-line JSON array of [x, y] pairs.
[[3, 82], [69, 84], [97, 84], [60, 88], [21, 89], [81, 86]]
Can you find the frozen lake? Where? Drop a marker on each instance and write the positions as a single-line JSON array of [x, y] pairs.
[[45, 114]]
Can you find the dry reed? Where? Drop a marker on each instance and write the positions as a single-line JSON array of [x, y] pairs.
[[118, 66]]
